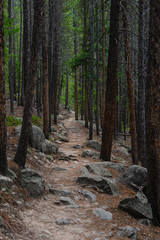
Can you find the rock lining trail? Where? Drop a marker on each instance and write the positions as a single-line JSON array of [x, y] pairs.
[[70, 214]]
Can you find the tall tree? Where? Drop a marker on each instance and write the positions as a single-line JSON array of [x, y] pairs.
[[11, 87], [111, 87], [3, 129], [75, 73], [45, 76], [103, 60], [142, 75], [92, 72], [97, 70], [153, 110], [20, 157], [130, 85], [26, 49], [85, 49]]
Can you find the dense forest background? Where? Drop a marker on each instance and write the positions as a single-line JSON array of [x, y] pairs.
[[97, 57]]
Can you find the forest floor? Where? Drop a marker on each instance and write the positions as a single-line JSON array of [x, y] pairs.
[[27, 218]]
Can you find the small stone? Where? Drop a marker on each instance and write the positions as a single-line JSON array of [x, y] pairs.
[[145, 222], [66, 201], [5, 182], [128, 232], [89, 195], [102, 214], [64, 193], [58, 169], [61, 222]]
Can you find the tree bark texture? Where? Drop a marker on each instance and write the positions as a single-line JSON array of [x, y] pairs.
[[11, 87], [20, 157], [111, 87], [130, 86], [85, 49], [45, 77], [153, 111], [103, 60], [3, 128]]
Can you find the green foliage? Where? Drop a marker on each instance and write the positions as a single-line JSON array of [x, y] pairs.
[[13, 121], [79, 60], [37, 121]]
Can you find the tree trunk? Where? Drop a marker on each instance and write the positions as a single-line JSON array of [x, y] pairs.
[[45, 76], [20, 157], [130, 86], [3, 128], [66, 100], [20, 54], [75, 73], [11, 87], [92, 73], [85, 49], [153, 110], [111, 87], [103, 61], [97, 71], [26, 49], [141, 128]]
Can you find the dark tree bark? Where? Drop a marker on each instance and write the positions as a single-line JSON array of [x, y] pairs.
[[92, 72], [130, 86], [20, 54], [26, 49], [20, 157], [66, 99], [11, 87], [97, 71], [103, 61], [3, 128], [111, 87], [141, 123], [82, 93], [45, 76], [85, 49], [55, 63], [153, 110], [75, 73], [50, 22]]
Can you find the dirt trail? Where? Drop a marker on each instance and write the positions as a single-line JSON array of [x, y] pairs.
[[40, 215]]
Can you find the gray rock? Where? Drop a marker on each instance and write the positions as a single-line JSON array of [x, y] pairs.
[[134, 175], [91, 196], [136, 208], [90, 154], [123, 150], [128, 232], [12, 174], [39, 142], [78, 146], [33, 182], [107, 185], [102, 214], [145, 221], [64, 193], [5, 182], [58, 169], [61, 222], [60, 117], [94, 144], [98, 169], [66, 201], [63, 138], [48, 147], [53, 129]]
